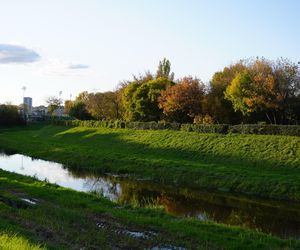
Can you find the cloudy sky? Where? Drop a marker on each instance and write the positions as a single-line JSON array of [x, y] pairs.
[[76, 45]]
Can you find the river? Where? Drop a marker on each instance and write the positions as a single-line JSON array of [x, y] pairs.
[[279, 218]]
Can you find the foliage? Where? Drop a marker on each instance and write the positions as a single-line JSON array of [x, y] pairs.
[[214, 103], [9, 116], [140, 99], [182, 102], [203, 128], [203, 119], [164, 70], [53, 103], [99, 106], [78, 110], [265, 129], [248, 91], [104, 106], [120, 124], [265, 86]]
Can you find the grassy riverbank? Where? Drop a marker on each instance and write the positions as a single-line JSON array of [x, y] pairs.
[[261, 165], [39, 213]]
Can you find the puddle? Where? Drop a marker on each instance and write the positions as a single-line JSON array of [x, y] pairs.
[[118, 229], [168, 247], [30, 201]]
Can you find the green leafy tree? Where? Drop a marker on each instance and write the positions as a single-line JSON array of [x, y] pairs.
[[215, 103], [104, 106], [53, 103], [140, 99], [78, 110], [9, 115], [164, 70]]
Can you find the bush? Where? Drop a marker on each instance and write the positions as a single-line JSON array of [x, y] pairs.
[[119, 124], [153, 125], [205, 128], [206, 119], [265, 129], [9, 116], [262, 129]]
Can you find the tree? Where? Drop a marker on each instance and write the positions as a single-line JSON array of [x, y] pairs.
[[287, 75], [215, 103], [182, 102], [267, 87], [164, 70], [79, 111], [53, 103], [104, 106], [9, 115], [140, 99], [140, 96]]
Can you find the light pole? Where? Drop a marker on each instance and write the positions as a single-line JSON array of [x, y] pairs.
[[59, 108], [24, 113]]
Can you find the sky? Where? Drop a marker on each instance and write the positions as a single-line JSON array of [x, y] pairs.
[[92, 45]]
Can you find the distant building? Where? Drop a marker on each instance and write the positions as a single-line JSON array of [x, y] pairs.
[[39, 111], [27, 101], [59, 111]]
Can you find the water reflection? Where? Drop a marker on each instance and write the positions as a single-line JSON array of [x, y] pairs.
[[278, 218]]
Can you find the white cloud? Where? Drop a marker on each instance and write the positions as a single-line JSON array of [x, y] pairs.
[[59, 67], [17, 54], [78, 66], [28, 59]]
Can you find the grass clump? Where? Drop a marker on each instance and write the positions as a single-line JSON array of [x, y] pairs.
[[10, 241]]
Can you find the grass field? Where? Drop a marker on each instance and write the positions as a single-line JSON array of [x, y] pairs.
[[259, 165], [66, 219]]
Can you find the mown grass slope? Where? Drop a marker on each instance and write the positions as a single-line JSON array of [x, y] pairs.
[[257, 164]]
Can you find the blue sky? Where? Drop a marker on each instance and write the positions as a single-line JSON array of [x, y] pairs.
[[77, 45]]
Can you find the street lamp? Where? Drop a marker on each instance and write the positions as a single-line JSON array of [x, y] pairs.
[[24, 89]]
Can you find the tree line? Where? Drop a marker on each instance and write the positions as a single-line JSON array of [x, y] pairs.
[[248, 91]]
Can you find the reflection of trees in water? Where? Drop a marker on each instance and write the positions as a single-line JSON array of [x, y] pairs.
[[106, 188], [206, 206], [278, 220]]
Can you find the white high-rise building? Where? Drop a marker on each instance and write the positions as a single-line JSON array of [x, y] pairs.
[[27, 101]]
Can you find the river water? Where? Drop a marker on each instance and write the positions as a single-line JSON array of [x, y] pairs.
[[278, 218]]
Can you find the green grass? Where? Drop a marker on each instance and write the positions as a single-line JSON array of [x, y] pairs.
[[261, 165], [66, 219], [15, 242]]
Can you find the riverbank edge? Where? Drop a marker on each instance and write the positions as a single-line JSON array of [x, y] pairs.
[[79, 206]]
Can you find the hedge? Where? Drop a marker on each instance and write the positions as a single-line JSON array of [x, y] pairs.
[[120, 124], [263, 129], [203, 128]]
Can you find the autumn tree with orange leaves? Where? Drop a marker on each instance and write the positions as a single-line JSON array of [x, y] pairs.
[[182, 102], [265, 86]]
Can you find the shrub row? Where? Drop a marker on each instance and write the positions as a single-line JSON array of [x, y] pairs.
[[265, 129], [119, 124], [206, 128], [293, 130]]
